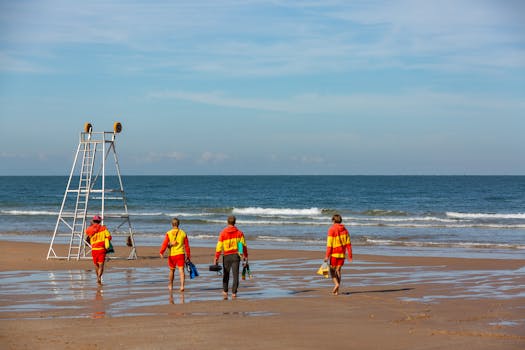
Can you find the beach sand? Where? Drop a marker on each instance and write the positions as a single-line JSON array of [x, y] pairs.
[[386, 303]]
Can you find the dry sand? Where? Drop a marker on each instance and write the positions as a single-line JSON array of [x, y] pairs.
[[387, 303]]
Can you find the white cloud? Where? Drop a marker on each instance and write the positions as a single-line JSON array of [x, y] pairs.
[[206, 157], [258, 38], [11, 63], [211, 157], [419, 102], [308, 159], [160, 156], [220, 99], [176, 155], [4, 154]]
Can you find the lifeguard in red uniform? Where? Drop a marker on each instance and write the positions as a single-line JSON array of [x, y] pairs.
[[232, 245], [97, 235], [337, 244]]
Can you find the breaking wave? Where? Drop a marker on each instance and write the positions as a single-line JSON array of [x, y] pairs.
[[276, 211], [456, 215]]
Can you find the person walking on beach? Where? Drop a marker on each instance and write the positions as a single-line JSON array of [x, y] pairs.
[[337, 243], [97, 235], [179, 252], [233, 246]]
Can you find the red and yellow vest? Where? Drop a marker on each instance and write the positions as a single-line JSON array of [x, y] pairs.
[[97, 236], [229, 240], [178, 242], [338, 241]]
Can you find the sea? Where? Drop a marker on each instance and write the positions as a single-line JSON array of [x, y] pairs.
[[453, 216]]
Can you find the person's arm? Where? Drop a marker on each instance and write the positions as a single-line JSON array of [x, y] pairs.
[[88, 235], [108, 234], [164, 246], [244, 249], [218, 250], [187, 248], [245, 253], [329, 244], [349, 249]]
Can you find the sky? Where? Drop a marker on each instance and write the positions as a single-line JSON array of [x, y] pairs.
[[242, 87]]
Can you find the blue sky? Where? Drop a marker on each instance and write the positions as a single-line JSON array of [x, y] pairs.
[[266, 87]]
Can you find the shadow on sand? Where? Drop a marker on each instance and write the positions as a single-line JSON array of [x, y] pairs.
[[379, 291]]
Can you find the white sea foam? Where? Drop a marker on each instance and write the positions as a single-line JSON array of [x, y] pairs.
[[367, 223], [287, 239], [159, 213], [274, 239], [276, 211], [457, 215], [403, 219], [443, 244], [204, 236], [269, 222], [28, 212], [434, 225], [188, 214]]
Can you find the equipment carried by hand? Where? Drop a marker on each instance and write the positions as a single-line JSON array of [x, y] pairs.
[[109, 246], [246, 271], [324, 270], [216, 268], [192, 270]]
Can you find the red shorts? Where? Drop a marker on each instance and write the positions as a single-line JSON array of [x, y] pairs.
[[335, 262], [176, 260], [99, 256]]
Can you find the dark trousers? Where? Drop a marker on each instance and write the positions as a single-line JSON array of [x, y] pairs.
[[231, 262]]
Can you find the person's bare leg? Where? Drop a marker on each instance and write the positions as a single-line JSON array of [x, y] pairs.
[[170, 283], [182, 278], [97, 269], [336, 278], [100, 271], [338, 273]]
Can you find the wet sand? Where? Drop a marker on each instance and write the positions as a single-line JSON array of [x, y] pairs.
[[386, 303]]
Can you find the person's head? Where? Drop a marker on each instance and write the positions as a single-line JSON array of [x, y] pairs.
[[175, 222], [97, 219], [231, 220], [337, 219]]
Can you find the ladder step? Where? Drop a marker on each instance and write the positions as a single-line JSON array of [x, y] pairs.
[[72, 215]]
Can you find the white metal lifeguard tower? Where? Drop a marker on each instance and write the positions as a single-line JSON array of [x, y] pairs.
[[90, 191]]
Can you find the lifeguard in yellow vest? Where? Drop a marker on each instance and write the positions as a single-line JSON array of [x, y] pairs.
[[337, 245], [179, 251], [98, 236]]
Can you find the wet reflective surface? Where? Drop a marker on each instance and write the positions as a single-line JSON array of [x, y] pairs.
[[75, 292], [455, 284], [131, 291]]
